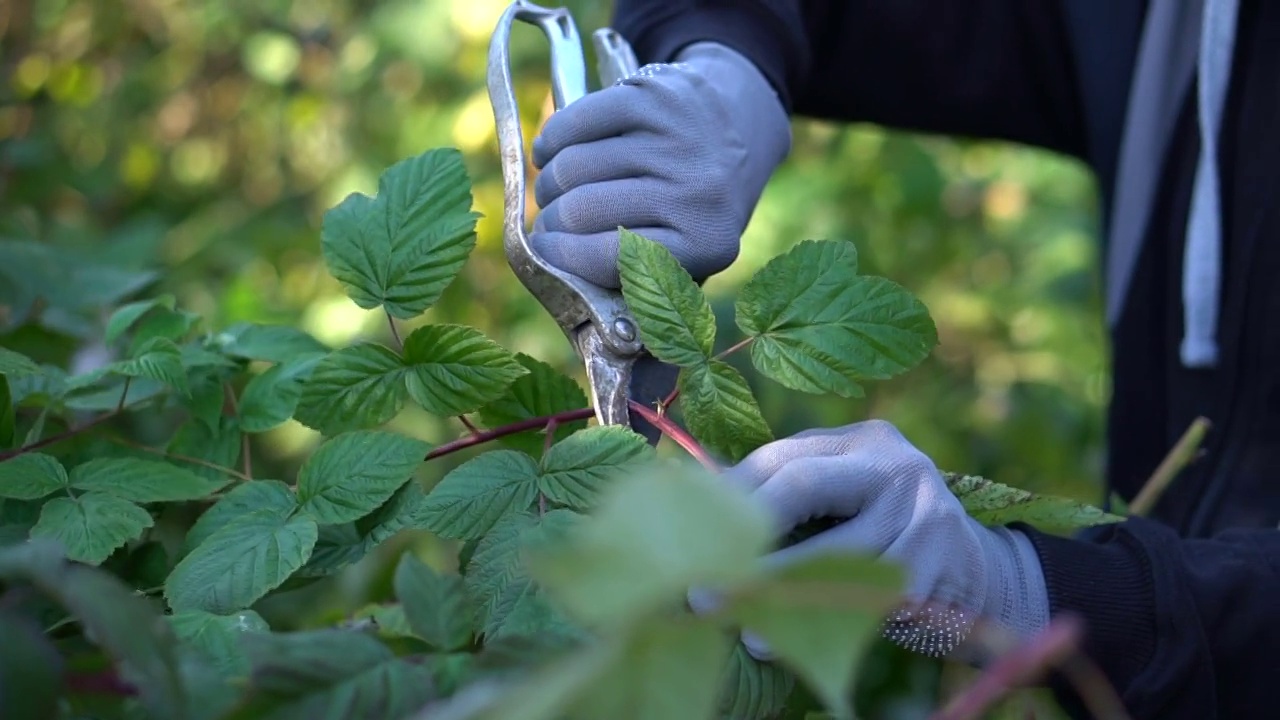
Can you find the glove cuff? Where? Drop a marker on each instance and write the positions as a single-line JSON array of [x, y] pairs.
[[1017, 599]]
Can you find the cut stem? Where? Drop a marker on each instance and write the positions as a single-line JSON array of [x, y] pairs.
[[1182, 454]]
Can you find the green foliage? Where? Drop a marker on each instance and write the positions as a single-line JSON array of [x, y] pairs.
[[559, 565], [400, 249]]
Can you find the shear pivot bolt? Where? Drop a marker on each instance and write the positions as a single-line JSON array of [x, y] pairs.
[[624, 329]]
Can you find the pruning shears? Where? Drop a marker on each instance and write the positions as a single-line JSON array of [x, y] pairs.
[[595, 319]]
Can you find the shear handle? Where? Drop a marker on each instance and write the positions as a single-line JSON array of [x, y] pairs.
[[596, 320]]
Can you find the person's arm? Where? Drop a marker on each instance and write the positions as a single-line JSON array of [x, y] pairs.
[[1004, 69], [1183, 628]]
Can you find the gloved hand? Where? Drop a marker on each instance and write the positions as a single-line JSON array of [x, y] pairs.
[[900, 508], [679, 153]]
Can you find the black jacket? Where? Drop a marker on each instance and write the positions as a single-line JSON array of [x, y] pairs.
[[1183, 610]]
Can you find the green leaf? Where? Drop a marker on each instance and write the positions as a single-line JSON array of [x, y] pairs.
[[993, 504], [126, 315], [127, 626], [220, 446], [402, 248], [342, 545], [31, 476], [158, 359], [330, 674], [352, 474], [574, 471], [30, 670], [92, 526], [820, 327], [721, 411], [15, 363], [475, 495], [819, 616], [17, 517], [8, 421], [270, 343], [507, 600], [615, 566], [545, 693], [454, 369], [173, 325], [217, 637], [206, 399], [664, 670], [355, 388], [753, 690], [435, 604], [337, 547], [144, 481], [241, 562], [541, 392], [676, 322], [271, 398], [403, 511], [265, 496]]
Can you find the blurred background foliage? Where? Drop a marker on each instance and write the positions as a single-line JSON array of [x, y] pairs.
[[205, 140]]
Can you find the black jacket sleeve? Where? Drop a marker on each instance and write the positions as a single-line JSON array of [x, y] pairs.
[[1183, 628], [1002, 69]]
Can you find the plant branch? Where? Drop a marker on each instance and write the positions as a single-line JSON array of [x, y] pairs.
[[471, 427], [547, 442], [1055, 647], [676, 433], [1020, 666], [234, 407], [668, 401], [124, 394], [64, 435], [1183, 452], [105, 682], [180, 458], [486, 435], [734, 348], [395, 332]]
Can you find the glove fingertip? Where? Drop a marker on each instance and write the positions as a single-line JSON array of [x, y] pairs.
[[757, 647], [542, 151]]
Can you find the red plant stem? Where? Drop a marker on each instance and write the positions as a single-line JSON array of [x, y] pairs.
[[1019, 666], [669, 400], [105, 682], [676, 433], [487, 435]]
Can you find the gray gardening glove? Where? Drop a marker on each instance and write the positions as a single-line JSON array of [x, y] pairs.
[[901, 509], [679, 153]]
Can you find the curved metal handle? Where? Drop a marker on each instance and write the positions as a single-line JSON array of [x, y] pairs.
[[571, 300]]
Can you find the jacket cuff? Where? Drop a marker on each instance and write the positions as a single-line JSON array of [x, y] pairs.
[[1103, 576], [748, 28]]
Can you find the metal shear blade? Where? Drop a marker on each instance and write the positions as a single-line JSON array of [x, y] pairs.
[[595, 320]]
